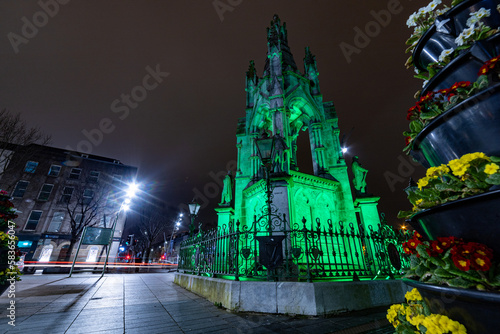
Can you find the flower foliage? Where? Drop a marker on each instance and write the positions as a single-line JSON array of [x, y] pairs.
[[435, 103], [453, 262], [435, 14], [9, 253], [472, 174], [414, 316]]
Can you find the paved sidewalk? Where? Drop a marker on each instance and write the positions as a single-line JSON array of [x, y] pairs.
[[151, 303]]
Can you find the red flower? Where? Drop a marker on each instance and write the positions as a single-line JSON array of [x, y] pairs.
[[461, 263], [461, 84], [408, 140], [436, 247], [481, 263], [417, 235]]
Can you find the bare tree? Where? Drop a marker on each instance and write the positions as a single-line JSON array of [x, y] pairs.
[[14, 132], [89, 204], [153, 221]]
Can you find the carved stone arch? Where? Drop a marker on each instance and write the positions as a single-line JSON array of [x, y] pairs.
[[325, 206], [302, 201]]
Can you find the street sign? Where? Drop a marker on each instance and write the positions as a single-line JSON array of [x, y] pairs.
[[97, 236]]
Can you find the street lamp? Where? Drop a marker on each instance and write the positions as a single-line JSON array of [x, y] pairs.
[[131, 191], [193, 211]]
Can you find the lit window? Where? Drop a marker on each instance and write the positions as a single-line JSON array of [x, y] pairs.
[[54, 170], [75, 173], [66, 196], [45, 192], [87, 196], [20, 188], [31, 166], [33, 220], [93, 176], [56, 222]]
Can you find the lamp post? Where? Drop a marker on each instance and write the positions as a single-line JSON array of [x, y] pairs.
[[193, 211], [174, 230], [125, 206], [265, 151]]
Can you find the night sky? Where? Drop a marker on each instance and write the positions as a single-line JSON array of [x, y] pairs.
[[73, 74]]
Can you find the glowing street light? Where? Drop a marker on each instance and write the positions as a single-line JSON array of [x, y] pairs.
[[193, 211]]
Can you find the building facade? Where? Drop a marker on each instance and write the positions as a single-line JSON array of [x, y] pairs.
[[57, 194]]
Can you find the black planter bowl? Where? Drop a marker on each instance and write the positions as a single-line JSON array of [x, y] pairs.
[[466, 66], [436, 40], [478, 311], [475, 218], [471, 126]]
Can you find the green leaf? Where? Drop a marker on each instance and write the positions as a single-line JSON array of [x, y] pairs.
[[405, 214], [416, 126], [422, 251], [437, 261], [443, 273], [495, 159], [459, 282], [420, 270], [493, 179]]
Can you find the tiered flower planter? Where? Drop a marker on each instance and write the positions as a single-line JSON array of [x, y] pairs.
[[468, 218], [478, 311], [441, 35], [471, 126]]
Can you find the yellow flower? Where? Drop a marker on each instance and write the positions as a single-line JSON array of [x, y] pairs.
[[413, 295], [491, 168], [459, 168], [422, 182], [435, 172], [466, 158]]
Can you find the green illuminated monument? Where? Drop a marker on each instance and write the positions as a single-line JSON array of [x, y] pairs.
[[282, 224], [284, 104], [308, 235]]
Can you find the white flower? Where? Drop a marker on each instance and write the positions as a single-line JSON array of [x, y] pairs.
[[425, 83], [445, 54], [476, 16], [441, 11], [482, 13], [464, 35], [412, 20]]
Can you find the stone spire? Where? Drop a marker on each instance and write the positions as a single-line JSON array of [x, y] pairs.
[[311, 71], [277, 43], [251, 84]]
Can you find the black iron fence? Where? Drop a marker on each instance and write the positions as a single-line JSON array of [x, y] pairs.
[[295, 253]]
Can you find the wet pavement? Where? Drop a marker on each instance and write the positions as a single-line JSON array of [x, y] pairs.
[[151, 303]]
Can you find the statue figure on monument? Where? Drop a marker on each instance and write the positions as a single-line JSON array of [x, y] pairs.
[[359, 172], [279, 154], [227, 190]]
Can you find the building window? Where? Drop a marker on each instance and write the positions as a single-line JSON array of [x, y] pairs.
[[75, 173], [45, 192], [54, 170], [33, 220], [117, 180], [93, 176], [88, 194], [78, 218], [66, 196], [31, 166], [56, 222], [20, 188]]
